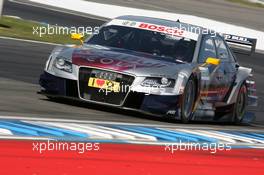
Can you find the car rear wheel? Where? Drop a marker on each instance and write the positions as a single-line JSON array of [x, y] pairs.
[[240, 105], [188, 101]]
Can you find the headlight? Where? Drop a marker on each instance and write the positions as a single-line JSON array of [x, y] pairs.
[[158, 82], [164, 81], [63, 64]]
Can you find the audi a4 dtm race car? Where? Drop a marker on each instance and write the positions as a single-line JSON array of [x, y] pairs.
[[153, 66]]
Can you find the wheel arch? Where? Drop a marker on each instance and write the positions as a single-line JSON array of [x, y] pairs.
[[243, 74], [196, 76]]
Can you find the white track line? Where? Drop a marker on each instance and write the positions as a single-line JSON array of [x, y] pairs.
[[5, 132], [242, 138], [169, 126], [235, 137], [127, 134], [92, 134], [115, 134], [96, 132], [208, 134], [10, 137]]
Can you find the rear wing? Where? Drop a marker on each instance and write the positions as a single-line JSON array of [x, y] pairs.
[[241, 44]]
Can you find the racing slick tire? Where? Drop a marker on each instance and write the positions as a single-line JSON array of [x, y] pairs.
[[188, 101], [240, 105]]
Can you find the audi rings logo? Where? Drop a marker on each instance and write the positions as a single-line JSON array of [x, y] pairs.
[[106, 75]]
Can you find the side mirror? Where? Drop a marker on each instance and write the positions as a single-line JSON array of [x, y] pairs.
[[213, 61], [77, 36]]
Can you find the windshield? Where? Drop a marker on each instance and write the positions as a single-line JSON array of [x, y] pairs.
[[146, 41]]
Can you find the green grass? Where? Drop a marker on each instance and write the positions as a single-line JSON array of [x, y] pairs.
[[23, 29], [247, 3]]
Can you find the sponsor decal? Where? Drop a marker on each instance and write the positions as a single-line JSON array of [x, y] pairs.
[[171, 112], [205, 75], [237, 38], [104, 84], [172, 31], [111, 60], [163, 29]]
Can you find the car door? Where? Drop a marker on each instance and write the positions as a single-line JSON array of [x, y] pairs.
[[227, 68], [212, 84]]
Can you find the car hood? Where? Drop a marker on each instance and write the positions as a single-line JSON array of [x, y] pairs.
[[125, 61]]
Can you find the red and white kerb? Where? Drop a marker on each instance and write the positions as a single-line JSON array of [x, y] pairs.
[[174, 31]]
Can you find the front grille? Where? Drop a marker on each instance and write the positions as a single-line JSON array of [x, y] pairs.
[[100, 95]]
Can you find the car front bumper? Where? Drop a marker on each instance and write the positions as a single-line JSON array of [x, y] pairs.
[[149, 103]]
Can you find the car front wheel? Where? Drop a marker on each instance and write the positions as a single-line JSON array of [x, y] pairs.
[[188, 101]]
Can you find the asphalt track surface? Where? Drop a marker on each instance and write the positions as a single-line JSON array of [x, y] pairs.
[[52, 17], [21, 63]]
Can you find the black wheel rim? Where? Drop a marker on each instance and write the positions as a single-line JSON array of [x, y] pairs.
[[188, 99], [241, 104]]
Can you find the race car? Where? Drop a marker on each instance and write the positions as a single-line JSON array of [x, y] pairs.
[[156, 67]]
